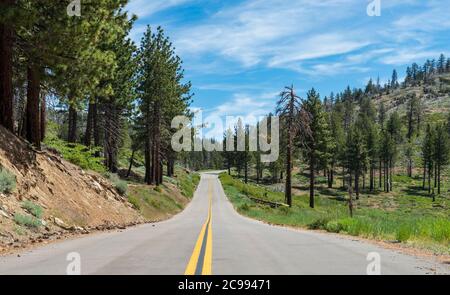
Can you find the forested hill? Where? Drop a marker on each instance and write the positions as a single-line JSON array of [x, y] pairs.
[[429, 82]]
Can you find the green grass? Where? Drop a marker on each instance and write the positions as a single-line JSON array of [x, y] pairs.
[[27, 220], [156, 203], [7, 181], [33, 209], [77, 154], [120, 185], [151, 203], [187, 183], [410, 219]]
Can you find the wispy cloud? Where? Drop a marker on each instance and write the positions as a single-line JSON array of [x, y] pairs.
[[144, 8], [408, 56], [271, 32]]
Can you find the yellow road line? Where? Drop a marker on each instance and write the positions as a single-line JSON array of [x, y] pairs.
[[192, 266], [207, 263]]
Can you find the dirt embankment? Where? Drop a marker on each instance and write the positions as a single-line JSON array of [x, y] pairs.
[[72, 200]]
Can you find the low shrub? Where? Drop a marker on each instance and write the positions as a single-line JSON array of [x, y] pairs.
[[120, 185], [244, 207], [320, 223], [403, 234], [33, 209], [333, 226], [135, 202], [7, 181], [27, 220]]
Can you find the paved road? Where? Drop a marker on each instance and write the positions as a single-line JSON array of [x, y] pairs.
[[210, 237]]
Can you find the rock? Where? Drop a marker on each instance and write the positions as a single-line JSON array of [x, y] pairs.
[[4, 214], [61, 223], [98, 188], [78, 228]]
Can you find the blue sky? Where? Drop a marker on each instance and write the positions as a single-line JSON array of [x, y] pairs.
[[239, 54]]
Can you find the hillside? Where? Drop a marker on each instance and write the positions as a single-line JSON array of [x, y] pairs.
[[64, 197], [435, 97]]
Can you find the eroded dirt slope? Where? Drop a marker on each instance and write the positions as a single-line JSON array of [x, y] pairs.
[[72, 200]]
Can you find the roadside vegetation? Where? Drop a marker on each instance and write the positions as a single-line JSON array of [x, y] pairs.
[[161, 202], [33, 217], [398, 217], [7, 181]]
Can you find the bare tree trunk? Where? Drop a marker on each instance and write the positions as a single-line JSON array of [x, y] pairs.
[[350, 201], [72, 131], [429, 179], [95, 125], [391, 185], [33, 112], [311, 179], [364, 180], [380, 175], [246, 169], [43, 116], [148, 161], [6, 73], [332, 176], [156, 147], [89, 125], [424, 175], [112, 136], [288, 188], [357, 184], [439, 178], [435, 176], [131, 163]]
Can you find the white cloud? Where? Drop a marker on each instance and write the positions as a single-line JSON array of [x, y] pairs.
[[272, 32], [144, 8], [433, 18], [408, 56], [316, 47]]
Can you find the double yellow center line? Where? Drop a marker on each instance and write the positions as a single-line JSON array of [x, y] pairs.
[[201, 259]]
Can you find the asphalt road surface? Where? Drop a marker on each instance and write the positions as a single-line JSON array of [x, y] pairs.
[[209, 237]]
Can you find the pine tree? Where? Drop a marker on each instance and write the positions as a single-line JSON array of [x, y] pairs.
[[428, 156], [367, 124], [7, 20], [356, 152], [317, 149], [162, 95], [288, 109], [228, 155], [413, 115], [338, 140], [441, 64], [391, 137], [394, 80], [441, 151], [381, 147]]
